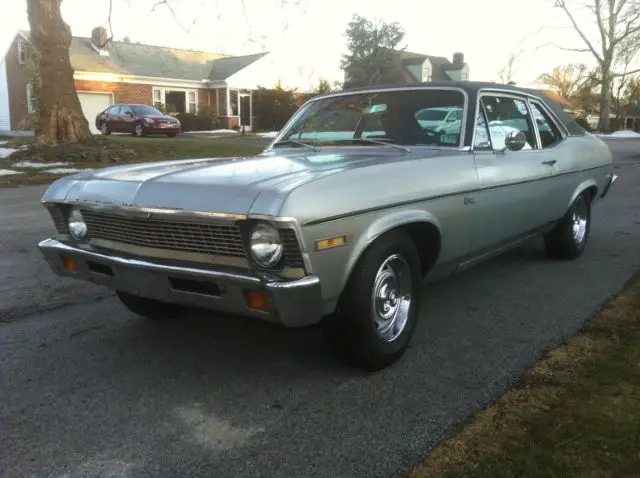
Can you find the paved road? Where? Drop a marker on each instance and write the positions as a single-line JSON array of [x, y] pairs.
[[89, 389]]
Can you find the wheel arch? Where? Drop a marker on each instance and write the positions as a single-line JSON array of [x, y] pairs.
[[590, 186], [421, 226]]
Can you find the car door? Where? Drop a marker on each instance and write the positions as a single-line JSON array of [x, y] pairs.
[[126, 119], [555, 153], [513, 199], [113, 119]]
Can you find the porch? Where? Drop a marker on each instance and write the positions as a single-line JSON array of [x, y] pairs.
[[234, 107]]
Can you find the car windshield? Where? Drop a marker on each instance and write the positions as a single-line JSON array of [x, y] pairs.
[[145, 110], [389, 116]]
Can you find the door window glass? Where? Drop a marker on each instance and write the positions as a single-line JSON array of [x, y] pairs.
[[506, 114], [482, 139]]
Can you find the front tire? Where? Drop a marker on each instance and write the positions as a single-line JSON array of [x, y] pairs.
[[569, 237], [104, 128], [138, 130], [378, 310], [149, 308]]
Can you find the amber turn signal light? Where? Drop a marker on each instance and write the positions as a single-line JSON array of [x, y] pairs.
[[69, 263], [256, 300]]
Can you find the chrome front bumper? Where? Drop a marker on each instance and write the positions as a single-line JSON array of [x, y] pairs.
[[294, 303], [611, 178]]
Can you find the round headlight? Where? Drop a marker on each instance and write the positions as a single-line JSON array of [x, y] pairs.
[[266, 247], [77, 226]]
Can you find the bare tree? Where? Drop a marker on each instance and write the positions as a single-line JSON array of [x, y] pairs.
[[59, 114], [618, 24], [507, 72]]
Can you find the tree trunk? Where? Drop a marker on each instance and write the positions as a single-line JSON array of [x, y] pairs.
[[60, 116], [605, 100]]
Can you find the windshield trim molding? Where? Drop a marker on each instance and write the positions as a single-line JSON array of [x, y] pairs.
[[463, 126]]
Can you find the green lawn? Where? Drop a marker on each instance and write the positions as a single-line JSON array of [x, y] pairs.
[[576, 413], [110, 151]]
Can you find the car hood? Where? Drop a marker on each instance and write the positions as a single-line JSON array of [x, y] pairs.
[[229, 185]]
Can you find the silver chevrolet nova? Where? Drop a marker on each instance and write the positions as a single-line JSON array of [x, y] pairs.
[[351, 207]]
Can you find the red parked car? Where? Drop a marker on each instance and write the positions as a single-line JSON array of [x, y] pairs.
[[138, 120]]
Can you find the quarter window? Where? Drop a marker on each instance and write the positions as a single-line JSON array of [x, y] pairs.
[[506, 114], [549, 132]]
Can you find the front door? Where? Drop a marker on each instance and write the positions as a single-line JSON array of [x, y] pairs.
[[515, 186], [244, 111]]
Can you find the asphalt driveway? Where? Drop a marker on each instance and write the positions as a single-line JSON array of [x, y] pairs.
[[89, 389]]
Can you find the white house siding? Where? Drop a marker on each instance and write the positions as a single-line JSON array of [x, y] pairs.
[[4, 98], [462, 74]]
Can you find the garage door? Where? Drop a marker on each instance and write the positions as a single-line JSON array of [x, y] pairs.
[[93, 104]]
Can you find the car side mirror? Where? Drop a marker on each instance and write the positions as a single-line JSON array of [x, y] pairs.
[[515, 141]]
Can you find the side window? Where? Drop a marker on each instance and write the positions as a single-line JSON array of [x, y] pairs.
[[482, 140], [125, 110], [506, 114], [549, 132], [115, 110]]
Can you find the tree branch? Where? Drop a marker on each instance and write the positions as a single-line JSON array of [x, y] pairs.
[[625, 73], [603, 37], [562, 5], [579, 50]]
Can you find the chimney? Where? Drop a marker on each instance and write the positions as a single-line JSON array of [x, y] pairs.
[[99, 40], [458, 60]]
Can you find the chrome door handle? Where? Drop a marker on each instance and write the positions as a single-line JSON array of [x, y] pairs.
[[549, 163]]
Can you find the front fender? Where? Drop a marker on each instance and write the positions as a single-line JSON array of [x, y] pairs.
[[378, 227]]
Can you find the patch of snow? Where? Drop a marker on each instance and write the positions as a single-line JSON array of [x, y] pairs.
[[4, 142], [269, 134], [623, 133], [6, 152], [65, 170], [29, 164], [8, 172], [215, 131]]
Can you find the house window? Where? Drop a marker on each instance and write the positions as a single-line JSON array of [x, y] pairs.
[[192, 102], [158, 97], [176, 100], [22, 52], [30, 99]]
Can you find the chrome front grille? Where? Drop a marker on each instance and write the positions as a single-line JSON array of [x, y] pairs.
[[174, 235]]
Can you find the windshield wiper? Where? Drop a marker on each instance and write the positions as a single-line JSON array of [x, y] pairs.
[[299, 143], [378, 141]]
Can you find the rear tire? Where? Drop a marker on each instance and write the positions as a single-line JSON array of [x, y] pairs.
[[378, 310], [568, 238], [149, 308]]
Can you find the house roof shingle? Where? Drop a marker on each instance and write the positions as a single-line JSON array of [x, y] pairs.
[[137, 59], [223, 68]]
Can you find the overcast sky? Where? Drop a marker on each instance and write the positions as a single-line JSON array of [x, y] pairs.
[[485, 31]]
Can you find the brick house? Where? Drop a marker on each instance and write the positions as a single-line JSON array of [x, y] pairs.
[[182, 81]]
